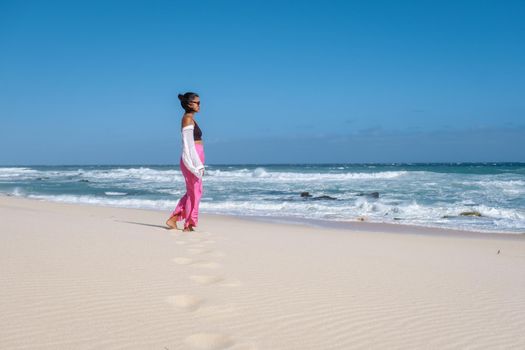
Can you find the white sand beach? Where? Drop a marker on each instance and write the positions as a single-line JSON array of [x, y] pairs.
[[88, 277]]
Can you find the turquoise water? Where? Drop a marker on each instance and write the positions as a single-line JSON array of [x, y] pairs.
[[418, 194]]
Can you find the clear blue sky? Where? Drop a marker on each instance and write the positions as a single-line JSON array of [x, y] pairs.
[[95, 82]]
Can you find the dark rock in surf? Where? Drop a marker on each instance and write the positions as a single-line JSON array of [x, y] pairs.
[[470, 213], [371, 194], [308, 195], [325, 197]]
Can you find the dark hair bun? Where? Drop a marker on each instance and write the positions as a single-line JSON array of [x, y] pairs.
[[186, 99]]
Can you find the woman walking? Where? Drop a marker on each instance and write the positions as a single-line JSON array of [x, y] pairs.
[[191, 164]]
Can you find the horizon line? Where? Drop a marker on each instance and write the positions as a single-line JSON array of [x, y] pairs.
[[271, 164]]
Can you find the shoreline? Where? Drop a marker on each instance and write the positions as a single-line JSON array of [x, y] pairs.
[[386, 227], [377, 194], [327, 224]]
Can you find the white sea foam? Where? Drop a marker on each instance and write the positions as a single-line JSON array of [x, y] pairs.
[[17, 191], [145, 174], [510, 187], [507, 220], [261, 174], [15, 170], [500, 213], [411, 197], [408, 213], [133, 174], [113, 202], [17, 173]]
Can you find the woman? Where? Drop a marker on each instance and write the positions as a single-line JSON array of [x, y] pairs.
[[191, 164]]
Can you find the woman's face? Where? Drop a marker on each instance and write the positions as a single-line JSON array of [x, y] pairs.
[[195, 104]]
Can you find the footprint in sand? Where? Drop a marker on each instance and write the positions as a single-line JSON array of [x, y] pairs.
[[209, 341], [183, 261], [206, 279], [211, 252], [207, 265], [231, 283], [198, 251], [204, 264], [185, 301]]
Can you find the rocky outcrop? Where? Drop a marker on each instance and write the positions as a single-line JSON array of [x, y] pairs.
[[308, 195], [370, 194], [325, 197], [470, 213]]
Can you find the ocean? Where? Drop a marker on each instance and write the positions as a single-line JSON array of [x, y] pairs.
[[431, 195]]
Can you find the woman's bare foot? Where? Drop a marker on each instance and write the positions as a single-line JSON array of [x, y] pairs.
[[172, 222], [189, 228]]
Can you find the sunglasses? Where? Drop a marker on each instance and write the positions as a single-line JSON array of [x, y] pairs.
[[197, 102]]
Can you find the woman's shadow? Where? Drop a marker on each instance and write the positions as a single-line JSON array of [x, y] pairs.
[[143, 224]]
